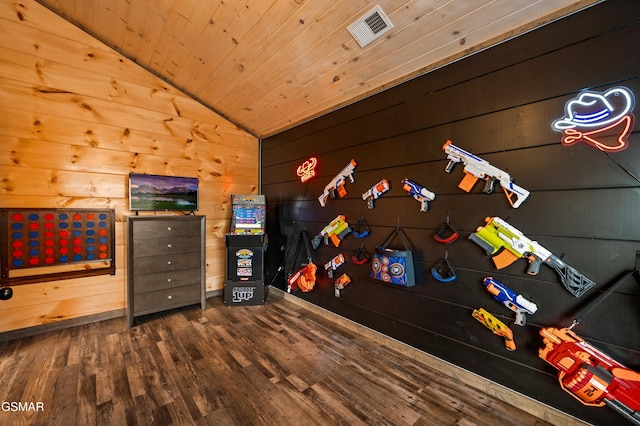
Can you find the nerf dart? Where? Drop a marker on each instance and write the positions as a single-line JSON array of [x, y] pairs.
[[375, 192], [334, 264], [340, 284], [476, 168], [506, 244], [512, 300], [496, 326], [337, 183], [418, 192], [443, 271]]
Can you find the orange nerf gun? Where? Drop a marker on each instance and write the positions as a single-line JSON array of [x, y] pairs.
[[341, 283], [304, 279], [496, 326]]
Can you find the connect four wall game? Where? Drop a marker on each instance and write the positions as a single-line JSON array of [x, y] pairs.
[[46, 245]]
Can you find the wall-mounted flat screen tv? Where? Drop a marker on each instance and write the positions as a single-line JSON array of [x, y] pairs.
[[157, 192]]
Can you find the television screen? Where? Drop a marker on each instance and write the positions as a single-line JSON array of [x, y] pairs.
[[156, 192]]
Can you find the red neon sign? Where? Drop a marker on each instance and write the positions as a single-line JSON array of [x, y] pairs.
[[307, 170]]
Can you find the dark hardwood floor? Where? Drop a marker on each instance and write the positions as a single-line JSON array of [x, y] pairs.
[[274, 364]]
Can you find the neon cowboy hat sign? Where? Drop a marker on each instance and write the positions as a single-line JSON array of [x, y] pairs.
[[597, 118]]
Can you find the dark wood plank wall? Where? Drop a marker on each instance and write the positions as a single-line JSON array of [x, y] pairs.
[[498, 104]]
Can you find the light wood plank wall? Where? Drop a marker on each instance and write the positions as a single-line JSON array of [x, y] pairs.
[[75, 118]]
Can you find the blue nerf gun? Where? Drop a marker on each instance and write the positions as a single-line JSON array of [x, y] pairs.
[[512, 300], [418, 192]]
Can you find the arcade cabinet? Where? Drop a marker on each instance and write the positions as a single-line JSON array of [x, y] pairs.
[[246, 245]]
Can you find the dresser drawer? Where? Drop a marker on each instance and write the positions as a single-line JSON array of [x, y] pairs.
[[166, 263], [165, 299], [164, 280], [166, 228], [166, 260], [152, 246]]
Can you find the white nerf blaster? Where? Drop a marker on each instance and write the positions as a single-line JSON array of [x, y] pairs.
[[337, 183], [476, 168]]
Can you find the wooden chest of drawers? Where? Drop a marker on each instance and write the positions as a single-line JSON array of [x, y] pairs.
[[165, 263]]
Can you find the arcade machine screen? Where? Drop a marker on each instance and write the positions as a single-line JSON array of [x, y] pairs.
[[248, 214]]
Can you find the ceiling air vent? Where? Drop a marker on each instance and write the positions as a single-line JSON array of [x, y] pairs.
[[370, 26]]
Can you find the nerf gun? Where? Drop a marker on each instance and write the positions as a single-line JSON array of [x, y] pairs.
[[304, 279], [476, 168], [418, 192], [337, 183], [340, 284], [496, 326], [375, 192], [505, 244], [591, 376], [334, 264], [512, 300], [337, 230]]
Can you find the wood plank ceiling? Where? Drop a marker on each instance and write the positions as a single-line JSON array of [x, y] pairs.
[[268, 65]]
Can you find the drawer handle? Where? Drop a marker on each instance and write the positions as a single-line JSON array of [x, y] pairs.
[[168, 228], [169, 262], [168, 280], [169, 297], [169, 245]]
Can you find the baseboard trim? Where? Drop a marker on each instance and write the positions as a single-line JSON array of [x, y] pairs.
[[73, 322], [525, 403], [59, 325]]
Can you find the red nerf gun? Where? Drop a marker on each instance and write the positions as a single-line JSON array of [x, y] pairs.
[[591, 376]]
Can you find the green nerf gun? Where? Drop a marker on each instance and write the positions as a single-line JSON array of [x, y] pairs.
[[505, 244], [336, 230]]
